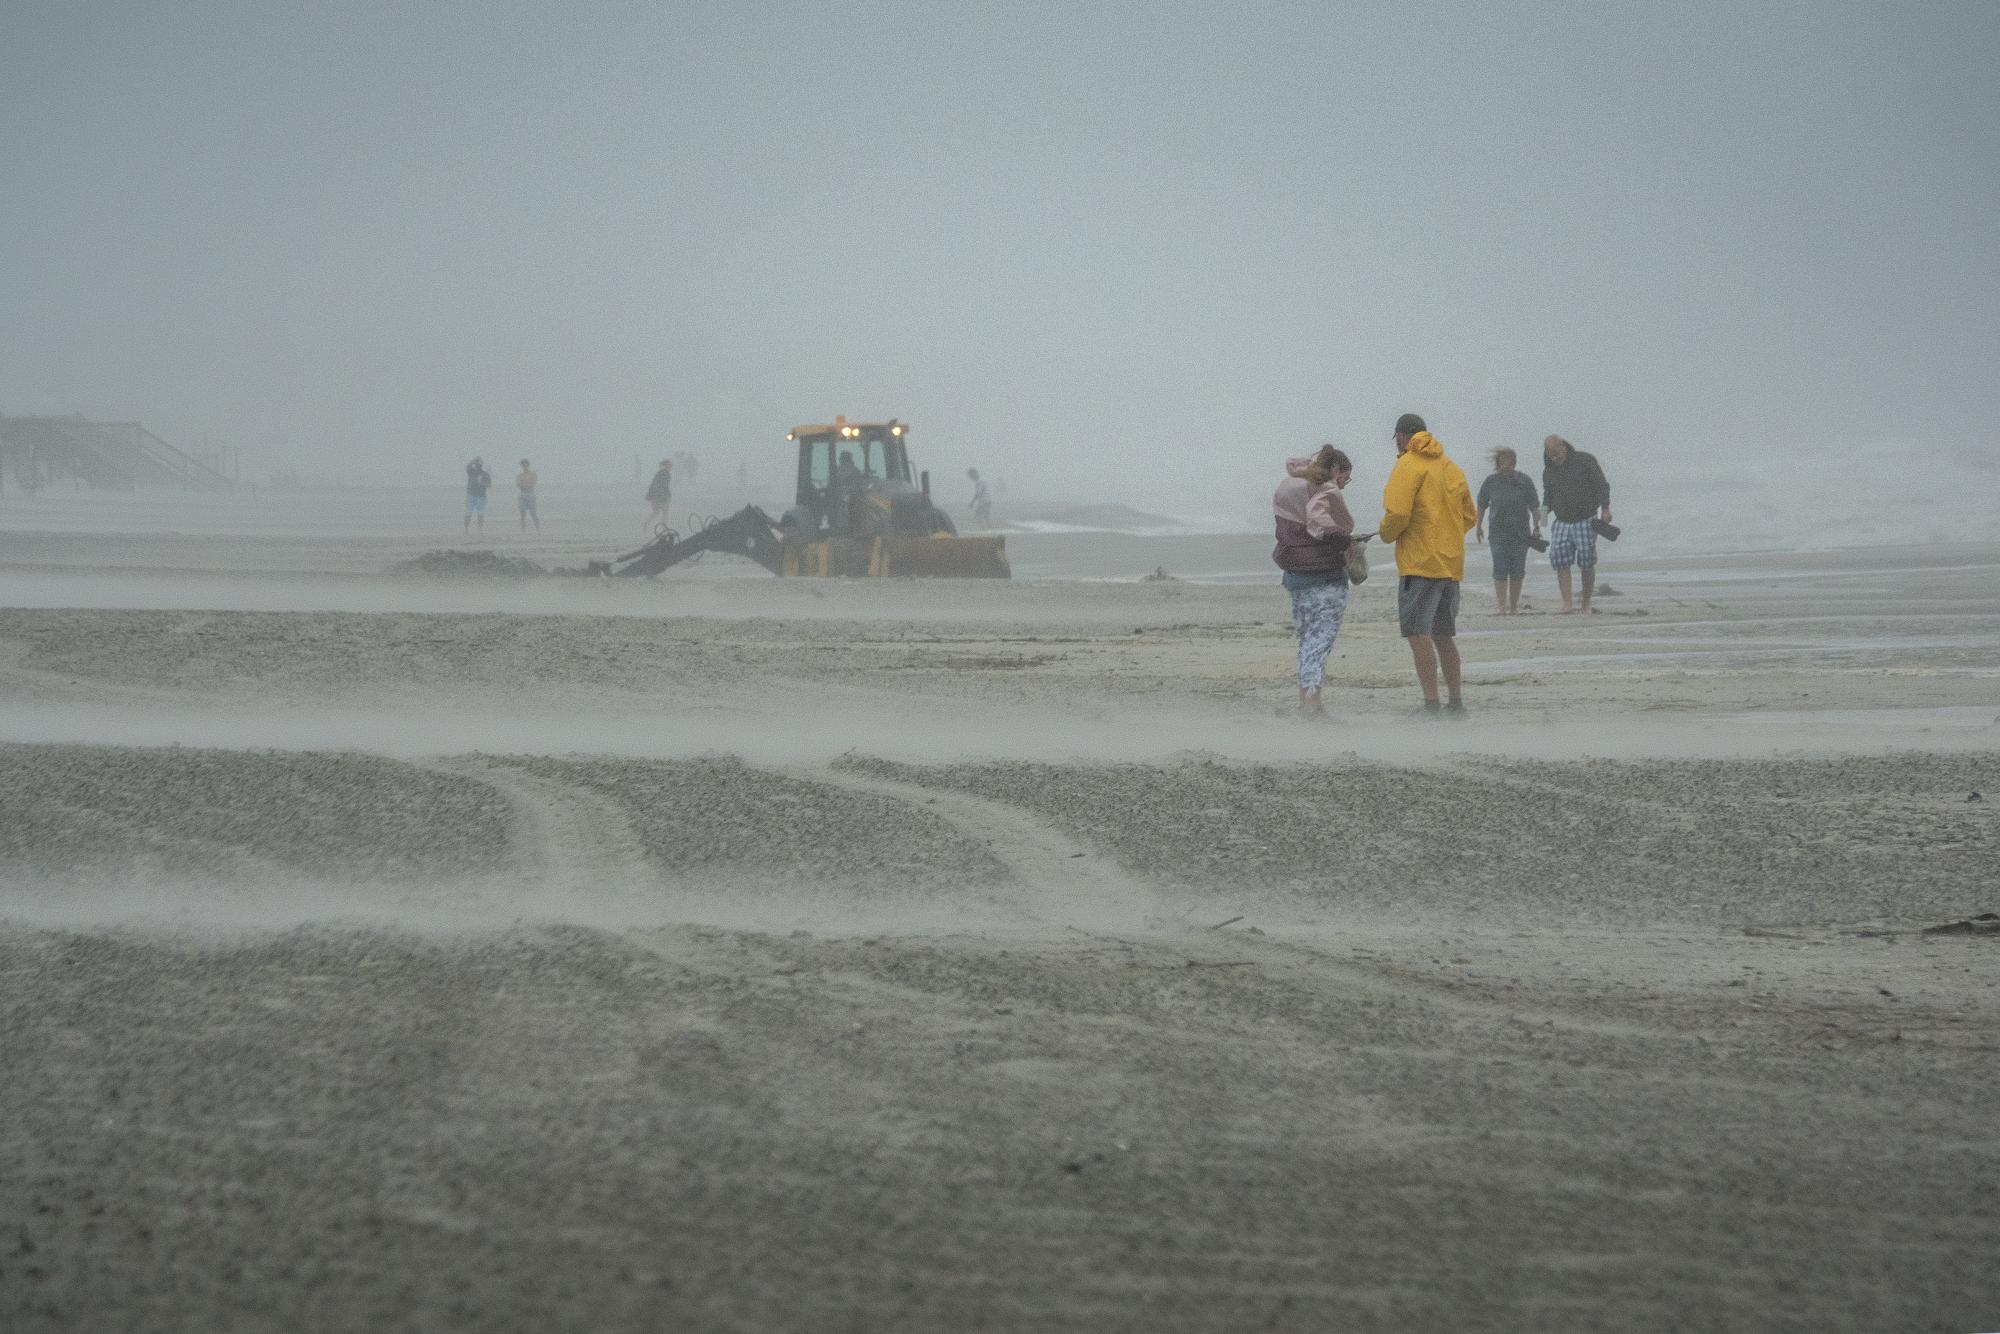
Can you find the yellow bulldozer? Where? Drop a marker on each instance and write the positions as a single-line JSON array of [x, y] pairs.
[[859, 510]]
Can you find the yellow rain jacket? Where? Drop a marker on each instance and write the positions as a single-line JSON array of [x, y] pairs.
[[1427, 510]]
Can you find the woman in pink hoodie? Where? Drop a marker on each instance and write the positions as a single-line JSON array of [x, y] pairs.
[[1314, 532]]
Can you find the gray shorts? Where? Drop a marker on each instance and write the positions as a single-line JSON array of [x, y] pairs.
[[1427, 606], [1510, 556]]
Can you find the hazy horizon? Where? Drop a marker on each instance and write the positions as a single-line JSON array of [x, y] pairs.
[[1124, 257]]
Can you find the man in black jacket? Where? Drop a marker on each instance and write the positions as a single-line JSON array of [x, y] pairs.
[[1577, 494], [477, 479], [660, 496]]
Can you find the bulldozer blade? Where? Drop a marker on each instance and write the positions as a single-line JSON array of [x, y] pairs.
[[940, 557]]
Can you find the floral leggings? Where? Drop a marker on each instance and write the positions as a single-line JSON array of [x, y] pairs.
[[1317, 609]]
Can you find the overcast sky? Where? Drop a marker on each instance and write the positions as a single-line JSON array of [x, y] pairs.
[[1121, 248]]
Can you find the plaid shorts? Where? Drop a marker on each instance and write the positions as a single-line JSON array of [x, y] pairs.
[[1572, 544]]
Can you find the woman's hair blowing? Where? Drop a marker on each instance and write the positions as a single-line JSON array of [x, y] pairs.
[[1325, 464]]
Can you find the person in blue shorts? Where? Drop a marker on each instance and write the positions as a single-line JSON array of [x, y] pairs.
[[1509, 498], [477, 480]]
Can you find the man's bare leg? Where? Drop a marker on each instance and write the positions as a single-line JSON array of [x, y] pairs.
[[1424, 650], [1447, 656], [1514, 596], [1562, 582], [1500, 595], [1589, 583]]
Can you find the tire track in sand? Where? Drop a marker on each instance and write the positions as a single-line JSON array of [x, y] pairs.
[[1070, 884], [1060, 882], [577, 847], [580, 852]]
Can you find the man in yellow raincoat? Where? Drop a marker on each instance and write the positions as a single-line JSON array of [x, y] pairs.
[[1426, 511]]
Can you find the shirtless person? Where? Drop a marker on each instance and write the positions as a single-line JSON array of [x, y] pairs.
[[525, 480], [982, 500]]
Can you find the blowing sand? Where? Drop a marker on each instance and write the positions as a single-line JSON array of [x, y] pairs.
[[742, 954]]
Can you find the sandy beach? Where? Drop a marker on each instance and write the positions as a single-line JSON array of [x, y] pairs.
[[725, 952]]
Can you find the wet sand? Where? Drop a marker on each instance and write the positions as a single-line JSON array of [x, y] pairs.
[[734, 953]]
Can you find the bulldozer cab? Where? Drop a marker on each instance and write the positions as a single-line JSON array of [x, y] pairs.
[[863, 509], [850, 457]]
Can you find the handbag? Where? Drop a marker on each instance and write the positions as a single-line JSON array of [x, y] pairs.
[[1357, 559]]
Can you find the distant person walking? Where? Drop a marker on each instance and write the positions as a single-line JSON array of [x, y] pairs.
[[660, 495], [1426, 511], [982, 500], [1578, 496], [524, 481], [477, 481], [1510, 499], [1314, 532]]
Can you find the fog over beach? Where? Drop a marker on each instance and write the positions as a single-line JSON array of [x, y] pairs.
[[401, 928]]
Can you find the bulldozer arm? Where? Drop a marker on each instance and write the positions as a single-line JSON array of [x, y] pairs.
[[748, 532]]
